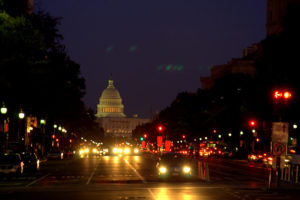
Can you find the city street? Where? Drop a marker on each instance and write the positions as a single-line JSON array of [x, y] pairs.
[[135, 177]]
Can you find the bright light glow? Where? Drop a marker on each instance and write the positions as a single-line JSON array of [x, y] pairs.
[[253, 130], [205, 138], [229, 134], [277, 94], [136, 150], [162, 170], [115, 150], [3, 110], [295, 126], [42, 121], [120, 150], [55, 126], [287, 95], [126, 150], [95, 150], [186, 169], [219, 136], [21, 115], [241, 133], [87, 150]]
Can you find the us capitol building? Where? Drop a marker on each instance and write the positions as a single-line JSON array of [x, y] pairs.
[[110, 114]]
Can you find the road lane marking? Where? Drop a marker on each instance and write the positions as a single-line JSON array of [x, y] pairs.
[[37, 180], [151, 193], [92, 174], [135, 171]]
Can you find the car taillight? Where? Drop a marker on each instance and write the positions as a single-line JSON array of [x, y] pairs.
[[219, 152], [21, 164], [260, 156], [265, 154]]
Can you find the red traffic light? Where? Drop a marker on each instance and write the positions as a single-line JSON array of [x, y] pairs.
[[145, 135], [160, 128], [214, 131], [287, 95], [279, 94], [183, 136], [252, 123]]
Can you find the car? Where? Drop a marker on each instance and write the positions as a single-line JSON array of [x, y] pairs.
[[174, 165], [11, 163], [55, 154], [258, 156], [31, 161]]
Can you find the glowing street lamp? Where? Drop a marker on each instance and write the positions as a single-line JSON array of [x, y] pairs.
[[21, 114], [3, 109], [42, 121]]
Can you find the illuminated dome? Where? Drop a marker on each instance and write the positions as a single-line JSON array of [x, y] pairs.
[[110, 102]]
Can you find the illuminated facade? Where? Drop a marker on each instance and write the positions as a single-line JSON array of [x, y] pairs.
[[110, 114]]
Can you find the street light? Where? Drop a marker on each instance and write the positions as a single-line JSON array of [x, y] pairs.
[[3, 109], [21, 114]]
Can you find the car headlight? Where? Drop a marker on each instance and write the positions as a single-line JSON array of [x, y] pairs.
[[115, 150], [95, 150], [81, 151], [186, 169], [136, 151], [126, 151], [162, 170]]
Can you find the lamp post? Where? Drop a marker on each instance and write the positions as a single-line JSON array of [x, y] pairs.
[[21, 116], [3, 135], [43, 123]]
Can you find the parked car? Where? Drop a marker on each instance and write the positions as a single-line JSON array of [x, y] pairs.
[[31, 161], [11, 163]]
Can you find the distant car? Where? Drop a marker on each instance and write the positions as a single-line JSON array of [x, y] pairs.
[[174, 165], [11, 163], [55, 154], [258, 156], [31, 161]]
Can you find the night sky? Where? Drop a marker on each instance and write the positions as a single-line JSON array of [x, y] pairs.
[[154, 49]]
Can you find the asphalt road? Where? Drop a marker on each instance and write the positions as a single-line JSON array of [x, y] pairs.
[[135, 177]]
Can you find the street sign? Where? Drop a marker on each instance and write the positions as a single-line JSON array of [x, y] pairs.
[[279, 149], [280, 132]]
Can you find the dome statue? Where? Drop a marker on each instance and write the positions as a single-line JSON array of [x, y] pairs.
[[110, 102]]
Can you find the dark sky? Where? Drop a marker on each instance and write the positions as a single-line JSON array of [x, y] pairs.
[[154, 49]]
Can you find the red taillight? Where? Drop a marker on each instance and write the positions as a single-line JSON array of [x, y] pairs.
[[219, 152], [260, 156], [22, 164], [265, 154]]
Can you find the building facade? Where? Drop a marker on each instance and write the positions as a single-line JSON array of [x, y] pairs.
[[110, 114], [276, 10]]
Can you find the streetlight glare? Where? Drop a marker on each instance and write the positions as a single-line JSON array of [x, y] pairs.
[[21, 115], [3, 110]]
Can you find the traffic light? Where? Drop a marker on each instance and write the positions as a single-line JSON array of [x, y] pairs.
[[145, 135], [279, 94], [141, 138], [214, 131], [257, 139], [183, 136], [160, 128], [252, 123], [70, 140], [53, 136]]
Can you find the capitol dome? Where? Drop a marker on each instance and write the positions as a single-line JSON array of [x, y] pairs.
[[110, 102]]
